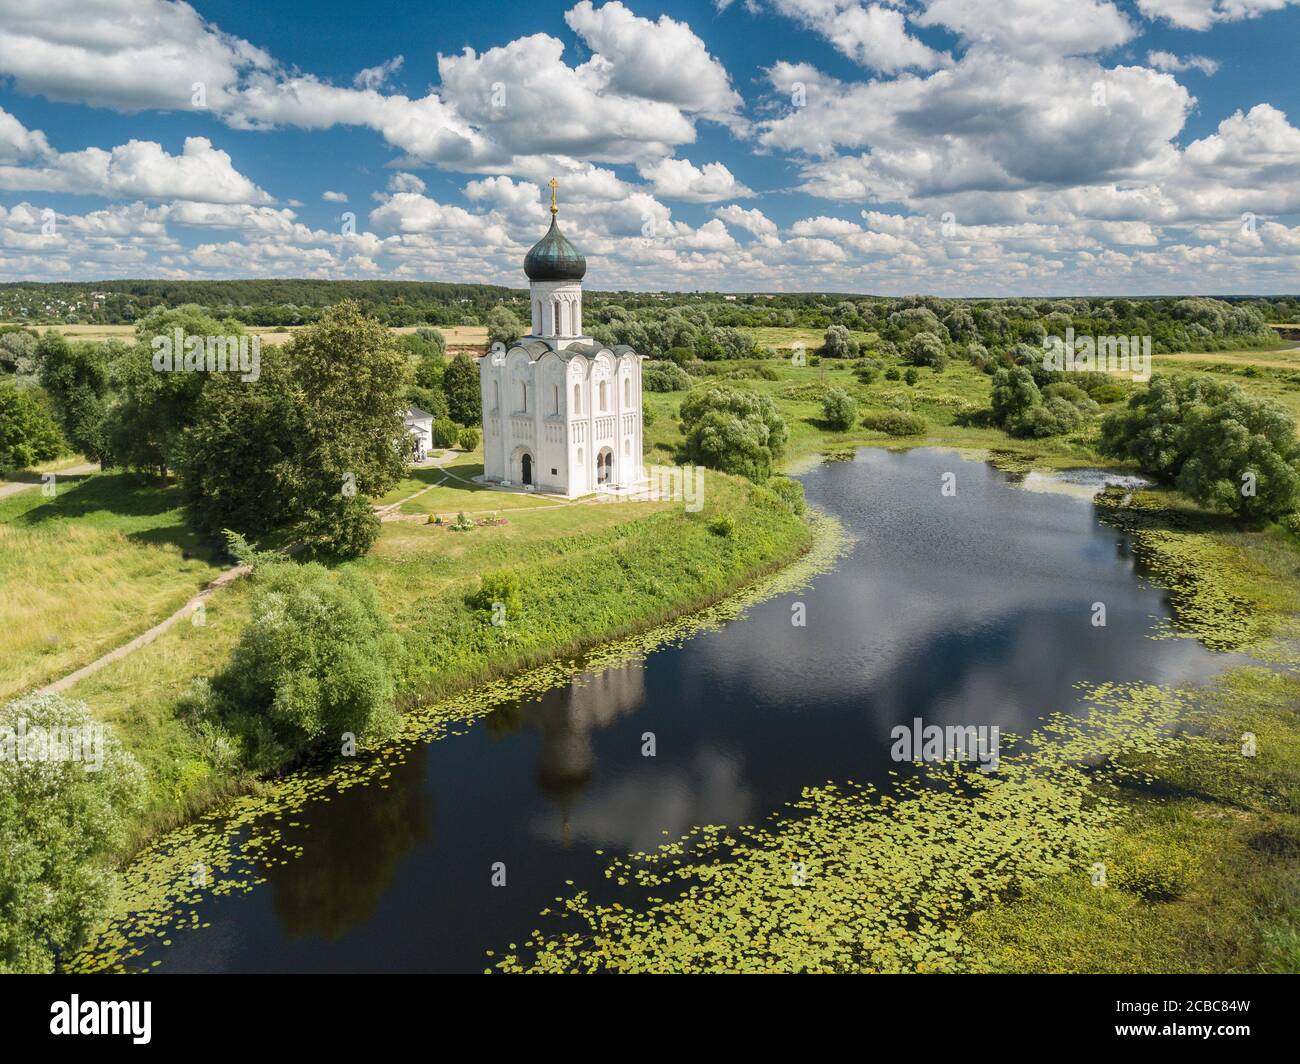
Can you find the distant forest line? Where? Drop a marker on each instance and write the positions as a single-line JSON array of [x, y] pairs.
[[300, 301]]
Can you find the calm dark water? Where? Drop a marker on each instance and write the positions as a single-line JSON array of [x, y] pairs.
[[973, 609]]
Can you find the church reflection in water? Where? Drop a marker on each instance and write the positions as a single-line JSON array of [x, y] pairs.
[[568, 719]]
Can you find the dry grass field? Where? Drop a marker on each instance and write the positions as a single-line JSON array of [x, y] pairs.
[[459, 337]]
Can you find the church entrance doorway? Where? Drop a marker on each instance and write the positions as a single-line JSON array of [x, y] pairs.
[[604, 466], [523, 467]]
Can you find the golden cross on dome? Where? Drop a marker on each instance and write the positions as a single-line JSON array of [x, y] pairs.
[[554, 185]]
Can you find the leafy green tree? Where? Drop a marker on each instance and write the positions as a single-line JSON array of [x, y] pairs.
[[1219, 445], [460, 383], [429, 371], [927, 349], [839, 409], [435, 338], [316, 661], [503, 326], [237, 459], [1019, 407], [155, 404], [18, 353], [59, 826], [1055, 417], [430, 400], [76, 377], [838, 344], [28, 433], [1014, 392], [734, 430], [302, 448], [1149, 430], [468, 438]]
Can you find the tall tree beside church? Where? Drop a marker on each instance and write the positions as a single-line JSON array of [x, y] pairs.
[[301, 450], [461, 385]]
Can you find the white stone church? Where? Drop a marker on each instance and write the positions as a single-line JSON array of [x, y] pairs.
[[561, 412]]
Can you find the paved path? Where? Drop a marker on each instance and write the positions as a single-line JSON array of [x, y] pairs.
[[12, 487]]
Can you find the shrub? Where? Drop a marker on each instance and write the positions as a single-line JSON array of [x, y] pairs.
[[790, 492], [911, 375], [733, 430], [315, 661], [664, 377], [839, 409], [446, 433], [1071, 393], [468, 438], [722, 525], [58, 825], [895, 423], [893, 374], [867, 371], [1108, 393], [497, 586], [1056, 417]]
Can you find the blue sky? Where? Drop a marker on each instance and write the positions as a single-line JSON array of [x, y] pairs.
[[960, 147]]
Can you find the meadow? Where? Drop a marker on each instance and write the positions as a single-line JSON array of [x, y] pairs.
[[590, 572], [83, 572]]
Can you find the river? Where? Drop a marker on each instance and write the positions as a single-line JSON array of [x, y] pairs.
[[968, 608]]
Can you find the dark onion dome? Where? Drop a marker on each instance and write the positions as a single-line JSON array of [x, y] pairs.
[[553, 258]]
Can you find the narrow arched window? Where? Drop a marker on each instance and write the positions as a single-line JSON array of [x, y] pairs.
[[523, 396], [555, 398], [577, 398], [604, 396], [627, 391], [496, 395]]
